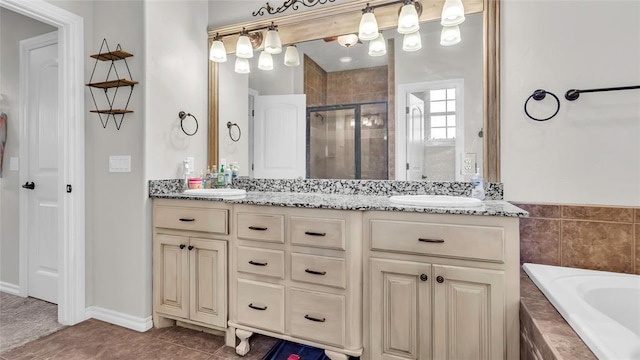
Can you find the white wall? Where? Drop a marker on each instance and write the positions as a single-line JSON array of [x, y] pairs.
[[590, 152], [13, 28]]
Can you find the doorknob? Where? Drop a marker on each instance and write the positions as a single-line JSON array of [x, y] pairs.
[[29, 185]]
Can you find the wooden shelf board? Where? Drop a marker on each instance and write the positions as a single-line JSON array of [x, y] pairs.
[[113, 55], [113, 83], [112, 111]]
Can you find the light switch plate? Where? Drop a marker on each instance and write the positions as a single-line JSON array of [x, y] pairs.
[[120, 163], [14, 163]]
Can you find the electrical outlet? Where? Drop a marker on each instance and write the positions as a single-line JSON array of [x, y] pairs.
[[192, 164], [468, 164]]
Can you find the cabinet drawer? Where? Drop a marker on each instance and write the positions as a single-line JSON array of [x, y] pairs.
[[261, 261], [261, 305], [261, 227], [317, 316], [317, 232], [196, 219], [457, 241], [318, 270]]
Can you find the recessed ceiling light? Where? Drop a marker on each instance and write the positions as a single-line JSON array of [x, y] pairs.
[[346, 59]]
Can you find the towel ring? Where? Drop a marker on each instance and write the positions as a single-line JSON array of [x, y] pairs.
[[230, 126], [183, 115], [537, 96]]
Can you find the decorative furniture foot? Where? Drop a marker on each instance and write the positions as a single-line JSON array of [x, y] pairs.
[[243, 348], [335, 355]]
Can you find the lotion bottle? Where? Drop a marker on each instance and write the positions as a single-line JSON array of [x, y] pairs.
[[477, 182]]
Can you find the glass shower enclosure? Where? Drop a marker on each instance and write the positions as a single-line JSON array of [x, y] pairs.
[[348, 141]]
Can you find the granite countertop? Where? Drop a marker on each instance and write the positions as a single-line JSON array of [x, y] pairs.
[[351, 202]]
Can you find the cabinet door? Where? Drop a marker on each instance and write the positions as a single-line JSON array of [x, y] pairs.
[[468, 313], [171, 275], [208, 281], [400, 310]]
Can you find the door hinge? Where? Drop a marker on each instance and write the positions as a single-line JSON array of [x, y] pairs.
[[406, 110], [407, 166], [253, 113], [251, 166], [69, 188]]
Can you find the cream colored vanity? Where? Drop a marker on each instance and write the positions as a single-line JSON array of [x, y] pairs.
[[374, 284]]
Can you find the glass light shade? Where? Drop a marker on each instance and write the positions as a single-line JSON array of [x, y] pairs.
[[242, 66], [368, 29], [348, 40], [408, 21], [243, 47], [272, 43], [217, 52], [265, 61], [291, 56], [452, 13], [412, 42], [450, 35], [378, 47]]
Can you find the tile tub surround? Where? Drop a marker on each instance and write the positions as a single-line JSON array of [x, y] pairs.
[[544, 334], [493, 191], [352, 202], [590, 237]]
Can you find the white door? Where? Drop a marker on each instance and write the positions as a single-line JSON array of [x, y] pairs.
[[415, 137], [280, 136], [41, 123]]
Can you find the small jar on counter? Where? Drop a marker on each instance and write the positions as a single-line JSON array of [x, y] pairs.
[[195, 183]]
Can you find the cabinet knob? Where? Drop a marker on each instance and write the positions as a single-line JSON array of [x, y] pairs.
[[190, 247], [440, 279], [424, 277], [182, 246]]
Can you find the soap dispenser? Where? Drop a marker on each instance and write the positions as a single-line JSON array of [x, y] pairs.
[[477, 190], [186, 171]]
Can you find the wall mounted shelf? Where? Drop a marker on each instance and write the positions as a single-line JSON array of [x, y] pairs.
[[110, 83]]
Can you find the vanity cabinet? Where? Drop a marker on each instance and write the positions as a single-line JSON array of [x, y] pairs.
[[190, 263], [441, 286], [296, 274]]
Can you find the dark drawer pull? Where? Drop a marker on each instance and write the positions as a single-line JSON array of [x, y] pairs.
[[314, 319], [433, 241], [257, 228], [257, 263], [315, 272], [257, 307], [187, 220], [313, 233]]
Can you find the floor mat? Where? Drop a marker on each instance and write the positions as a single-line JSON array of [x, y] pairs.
[[25, 319], [282, 349]]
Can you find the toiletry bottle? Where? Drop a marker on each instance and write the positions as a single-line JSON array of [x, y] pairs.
[[206, 179], [227, 175], [234, 172], [214, 176], [221, 181], [478, 185]]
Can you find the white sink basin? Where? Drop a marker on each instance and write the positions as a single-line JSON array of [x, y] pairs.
[[216, 192], [435, 200]]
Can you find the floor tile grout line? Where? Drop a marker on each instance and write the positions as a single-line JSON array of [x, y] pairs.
[[584, 220], [187, 347]]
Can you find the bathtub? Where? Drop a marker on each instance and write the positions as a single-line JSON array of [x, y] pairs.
[[602, 307]]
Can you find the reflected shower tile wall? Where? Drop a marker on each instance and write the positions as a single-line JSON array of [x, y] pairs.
[[590, 237]]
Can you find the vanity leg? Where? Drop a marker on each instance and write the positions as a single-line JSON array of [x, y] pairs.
[[335, 355], [243, 348], [230, 337], [161, 322]]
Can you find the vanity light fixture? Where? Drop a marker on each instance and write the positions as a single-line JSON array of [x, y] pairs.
[[368, 29], [408, 21], [265, 61], [412, 42], [378, 47], [272, 43], [452, 13], [217, 52], [244, 49], [242, 65], [291, 56], [450, 35]]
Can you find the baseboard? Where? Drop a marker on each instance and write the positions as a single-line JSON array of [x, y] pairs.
[[10, 288], [120, 319]]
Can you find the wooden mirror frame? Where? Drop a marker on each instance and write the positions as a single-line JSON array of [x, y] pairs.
[[345, 18]]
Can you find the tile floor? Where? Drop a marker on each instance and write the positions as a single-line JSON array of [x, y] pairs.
[[94, 339]]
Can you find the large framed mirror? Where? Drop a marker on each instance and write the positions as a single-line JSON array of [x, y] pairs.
[[429, 114]]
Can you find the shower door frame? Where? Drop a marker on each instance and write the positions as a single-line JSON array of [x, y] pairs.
[[357, 135]]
